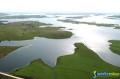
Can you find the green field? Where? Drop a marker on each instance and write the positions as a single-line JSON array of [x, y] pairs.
[[4, 50], [21, 16], [115, 46], [29, 29], [25, 30], [79, 65]]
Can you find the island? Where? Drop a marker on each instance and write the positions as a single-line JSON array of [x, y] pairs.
[[28, 29], [116, 26], [21, 16], [115, 46], [114, 17]]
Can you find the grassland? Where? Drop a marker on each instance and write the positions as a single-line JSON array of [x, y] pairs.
[[4, 50], [69, 21], [115, 46], [114, 17], [77, 17], [22, 16], [79, 65], [29, 29]]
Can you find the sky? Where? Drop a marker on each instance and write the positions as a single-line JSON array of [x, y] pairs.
[[60, 6]]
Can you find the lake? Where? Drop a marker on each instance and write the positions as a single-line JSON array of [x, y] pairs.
[[48, 50]]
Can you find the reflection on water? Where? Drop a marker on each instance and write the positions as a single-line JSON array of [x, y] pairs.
[[46, 49], [94, 37]]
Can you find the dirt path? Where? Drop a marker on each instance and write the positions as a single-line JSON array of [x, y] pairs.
[[9, 76]]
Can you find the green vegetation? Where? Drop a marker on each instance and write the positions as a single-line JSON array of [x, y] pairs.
[[113, 16], [22, 16], [77, 17], [115, 46], [80, 65], [101, 24], [36, 70], [4, 50], [69, 21], [29, 29], [116, 26]]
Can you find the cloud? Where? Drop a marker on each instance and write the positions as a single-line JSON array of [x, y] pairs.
[[60, 5]]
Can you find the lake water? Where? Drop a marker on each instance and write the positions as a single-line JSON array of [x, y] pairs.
[[94, 37]]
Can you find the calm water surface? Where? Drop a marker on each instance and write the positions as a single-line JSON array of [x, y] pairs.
[[94, 37]]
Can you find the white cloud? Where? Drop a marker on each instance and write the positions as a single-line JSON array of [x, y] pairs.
[[60, 5]]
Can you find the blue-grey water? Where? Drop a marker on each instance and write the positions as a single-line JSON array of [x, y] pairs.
[[94, 37]]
